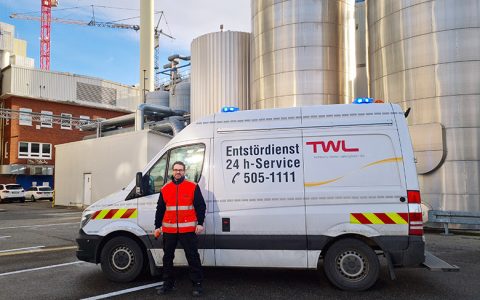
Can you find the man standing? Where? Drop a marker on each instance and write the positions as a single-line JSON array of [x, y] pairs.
[[180, 215]]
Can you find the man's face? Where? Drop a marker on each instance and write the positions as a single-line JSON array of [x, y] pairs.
[[178, 171]]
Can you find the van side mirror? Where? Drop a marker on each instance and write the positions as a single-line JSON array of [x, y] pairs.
[[138, 183]]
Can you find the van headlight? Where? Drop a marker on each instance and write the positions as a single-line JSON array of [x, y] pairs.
[[86, 216]]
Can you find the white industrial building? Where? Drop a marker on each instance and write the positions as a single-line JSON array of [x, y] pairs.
[[89, 170]]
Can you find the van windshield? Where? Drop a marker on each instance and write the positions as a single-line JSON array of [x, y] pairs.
[[14, 187]]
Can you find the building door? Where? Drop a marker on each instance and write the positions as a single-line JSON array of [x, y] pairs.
[[87, 189]]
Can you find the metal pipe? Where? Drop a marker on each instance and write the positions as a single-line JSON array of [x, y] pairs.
[[174, 124], [155, 109]]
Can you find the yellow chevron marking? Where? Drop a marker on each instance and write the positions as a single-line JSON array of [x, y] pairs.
[[354, 220], [119, 213], [387, 160], [134, 215], [373, 218], [396, 218], [102, 214]]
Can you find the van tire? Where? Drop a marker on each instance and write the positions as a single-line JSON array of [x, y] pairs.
[[122, 259], [351, 265]]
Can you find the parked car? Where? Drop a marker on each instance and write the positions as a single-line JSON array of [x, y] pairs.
[[12, 191], [39, 193]]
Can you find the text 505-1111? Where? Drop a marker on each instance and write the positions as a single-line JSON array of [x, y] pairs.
[[273, 177]]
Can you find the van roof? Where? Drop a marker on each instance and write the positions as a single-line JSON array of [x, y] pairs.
[[315, 116]]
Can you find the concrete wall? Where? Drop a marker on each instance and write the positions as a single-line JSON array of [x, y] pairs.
[[112, 162]]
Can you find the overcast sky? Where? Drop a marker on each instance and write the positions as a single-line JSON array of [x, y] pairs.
[[113, 54]]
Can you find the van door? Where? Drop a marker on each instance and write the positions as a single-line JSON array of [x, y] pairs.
[[193, 155], [259, 209]]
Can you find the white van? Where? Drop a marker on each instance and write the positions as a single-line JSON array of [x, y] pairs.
[[284, 188]]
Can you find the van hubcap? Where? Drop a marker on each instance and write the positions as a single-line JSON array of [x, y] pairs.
[[352, 265], [122, 258]]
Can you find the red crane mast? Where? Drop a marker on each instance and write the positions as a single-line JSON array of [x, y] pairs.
[[46, 19]]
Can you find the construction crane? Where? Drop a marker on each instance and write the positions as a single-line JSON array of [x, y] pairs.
[[45, 28], [46, 19]]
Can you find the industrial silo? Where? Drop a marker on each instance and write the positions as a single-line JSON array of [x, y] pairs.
[[159, 97], [180, 96], [426, 55], [361, 76], [303, 52], [219, 72]]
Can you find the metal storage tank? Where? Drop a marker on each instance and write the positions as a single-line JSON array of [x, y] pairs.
[[159, 97], [180, 96], [220, 72], [361, 76], [426, 55], [303, 52]]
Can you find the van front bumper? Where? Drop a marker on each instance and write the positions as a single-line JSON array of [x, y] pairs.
[[87, 247]]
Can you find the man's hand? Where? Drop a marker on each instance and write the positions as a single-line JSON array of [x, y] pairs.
[[199, 229], [157, 232]]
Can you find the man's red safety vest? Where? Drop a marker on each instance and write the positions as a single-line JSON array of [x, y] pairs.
[[180, 216]]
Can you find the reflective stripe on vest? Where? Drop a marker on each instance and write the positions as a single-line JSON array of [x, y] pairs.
[[180, 225], [180, 207]]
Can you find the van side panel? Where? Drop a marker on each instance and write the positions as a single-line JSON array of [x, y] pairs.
[[354, 181]]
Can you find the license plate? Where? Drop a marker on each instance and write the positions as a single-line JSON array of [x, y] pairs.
[[15, 192]]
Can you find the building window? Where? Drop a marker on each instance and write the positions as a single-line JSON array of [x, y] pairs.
[[25, 117], [46, 119], [84, 120], [6, 149], [34, 150], [66, 121]]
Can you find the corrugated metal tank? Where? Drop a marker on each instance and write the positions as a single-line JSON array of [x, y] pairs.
[[303, 52], [220, 72], [158, 98], [426, 55], [361, 76], [180, 96]]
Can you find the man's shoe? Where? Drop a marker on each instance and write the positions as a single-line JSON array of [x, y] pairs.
[[165, 288], [197, 290]]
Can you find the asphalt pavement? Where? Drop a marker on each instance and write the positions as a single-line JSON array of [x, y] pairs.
[[37, 260]]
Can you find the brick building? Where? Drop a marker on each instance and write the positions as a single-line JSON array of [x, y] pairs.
[[34, 120]]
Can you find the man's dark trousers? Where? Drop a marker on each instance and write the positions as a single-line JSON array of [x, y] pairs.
[[189, 243]]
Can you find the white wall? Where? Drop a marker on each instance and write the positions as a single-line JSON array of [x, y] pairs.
[[112, 161]]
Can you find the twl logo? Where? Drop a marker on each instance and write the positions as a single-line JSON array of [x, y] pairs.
[[331, 146]]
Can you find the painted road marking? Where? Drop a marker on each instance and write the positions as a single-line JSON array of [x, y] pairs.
[[40, 268], [5, 236], [62, 213], [42, 225], [38, 250], [21, 249], [121, 292]]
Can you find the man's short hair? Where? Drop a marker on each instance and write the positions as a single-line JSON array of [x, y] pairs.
[[178, 163]]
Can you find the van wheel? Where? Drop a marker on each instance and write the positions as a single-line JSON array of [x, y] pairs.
[[351, 265], [122, 259], [33, 198]]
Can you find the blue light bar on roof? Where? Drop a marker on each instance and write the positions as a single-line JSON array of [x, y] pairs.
[[227, 109], [363, 100]]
